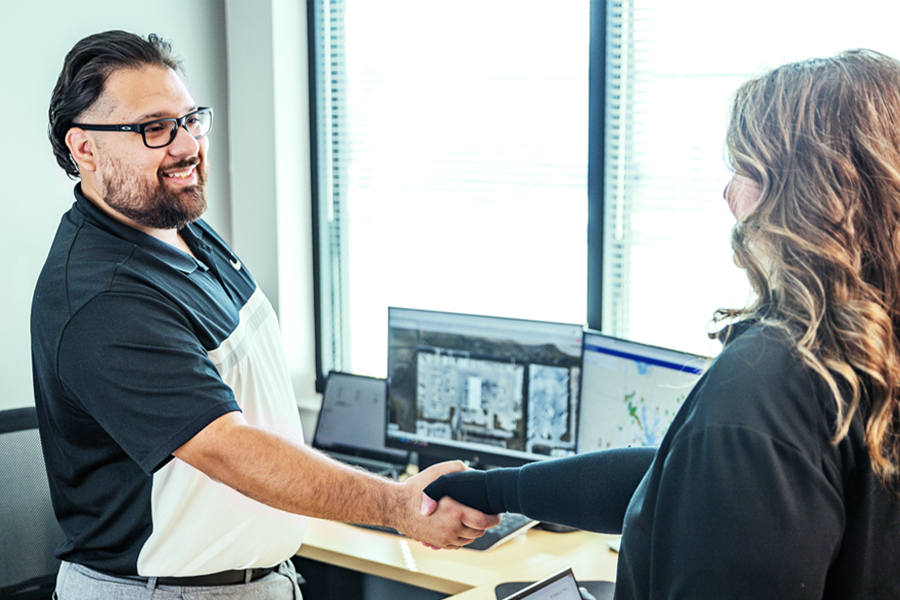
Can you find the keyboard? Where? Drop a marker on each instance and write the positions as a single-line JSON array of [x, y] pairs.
[[511, 525]]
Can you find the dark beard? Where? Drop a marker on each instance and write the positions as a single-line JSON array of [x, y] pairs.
[[155, 206]]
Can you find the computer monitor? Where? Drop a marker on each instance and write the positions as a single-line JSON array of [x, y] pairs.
[[630, 392], [493, 391]]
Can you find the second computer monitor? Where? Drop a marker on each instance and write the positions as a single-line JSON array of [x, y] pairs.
[[630, 392], [494, 390]]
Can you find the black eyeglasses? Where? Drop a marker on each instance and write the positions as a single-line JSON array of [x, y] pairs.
[[161, 132]]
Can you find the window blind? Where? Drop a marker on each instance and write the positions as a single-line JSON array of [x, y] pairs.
[[671, 69], [452, 157], [453, 148]]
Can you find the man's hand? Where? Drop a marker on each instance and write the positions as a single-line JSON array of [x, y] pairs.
[[447, 524]]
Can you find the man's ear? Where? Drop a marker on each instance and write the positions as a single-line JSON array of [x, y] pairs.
[[82, 148]]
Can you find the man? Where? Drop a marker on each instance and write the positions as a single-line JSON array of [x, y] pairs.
[[171, 436]]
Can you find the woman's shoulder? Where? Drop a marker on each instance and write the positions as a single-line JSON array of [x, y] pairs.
[[760, 382], [760, 356]]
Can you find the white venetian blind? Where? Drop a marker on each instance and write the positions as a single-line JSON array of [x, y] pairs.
[[452, 157], [452, 163], [671, 68]]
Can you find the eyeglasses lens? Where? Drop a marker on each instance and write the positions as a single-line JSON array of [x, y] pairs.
[[162, 133]]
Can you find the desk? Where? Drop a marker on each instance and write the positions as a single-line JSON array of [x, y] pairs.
[[466, 574]]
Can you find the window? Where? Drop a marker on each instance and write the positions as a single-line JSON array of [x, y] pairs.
[[452, 167], [671, 69], [453, 158]]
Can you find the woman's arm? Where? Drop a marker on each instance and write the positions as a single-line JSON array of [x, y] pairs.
[[589, 491]]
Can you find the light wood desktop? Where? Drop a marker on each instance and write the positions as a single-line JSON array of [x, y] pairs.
[[465, 574]]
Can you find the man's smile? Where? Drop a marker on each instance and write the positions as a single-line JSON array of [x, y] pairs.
[[183, 175]]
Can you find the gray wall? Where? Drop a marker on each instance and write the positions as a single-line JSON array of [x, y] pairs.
[[258, 186]]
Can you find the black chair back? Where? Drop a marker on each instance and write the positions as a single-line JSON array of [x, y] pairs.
[[29, 532]]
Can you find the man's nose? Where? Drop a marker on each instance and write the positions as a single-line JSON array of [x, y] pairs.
[[184, 143]]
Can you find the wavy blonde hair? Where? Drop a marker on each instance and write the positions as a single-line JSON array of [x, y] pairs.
[[822, 246]]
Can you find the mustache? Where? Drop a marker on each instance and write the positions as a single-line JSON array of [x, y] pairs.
[[182, 164]]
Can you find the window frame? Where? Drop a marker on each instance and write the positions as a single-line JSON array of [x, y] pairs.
[[595, 180]]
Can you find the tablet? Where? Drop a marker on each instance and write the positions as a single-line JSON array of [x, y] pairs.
[[560, 586]]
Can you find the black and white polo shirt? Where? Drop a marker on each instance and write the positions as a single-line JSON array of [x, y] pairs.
[[136, 347]]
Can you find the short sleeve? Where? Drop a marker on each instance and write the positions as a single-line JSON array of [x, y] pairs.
[[135, 365]]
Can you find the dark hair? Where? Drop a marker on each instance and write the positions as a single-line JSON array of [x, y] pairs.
[[83, 79]]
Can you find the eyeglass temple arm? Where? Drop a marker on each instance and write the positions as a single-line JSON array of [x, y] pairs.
[[135, 128]]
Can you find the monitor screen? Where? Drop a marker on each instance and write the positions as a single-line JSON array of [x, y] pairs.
[[631, 391], [494, 391]]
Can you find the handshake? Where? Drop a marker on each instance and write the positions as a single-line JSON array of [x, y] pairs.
[[453, 506]]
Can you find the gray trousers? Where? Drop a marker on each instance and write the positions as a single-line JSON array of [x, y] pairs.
[[77, 582]]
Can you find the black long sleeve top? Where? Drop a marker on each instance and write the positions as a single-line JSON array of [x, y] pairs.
[[746, 497]]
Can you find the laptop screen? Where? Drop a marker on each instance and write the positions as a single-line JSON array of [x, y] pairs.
[[630, 392], [561, 586], [352, 418]]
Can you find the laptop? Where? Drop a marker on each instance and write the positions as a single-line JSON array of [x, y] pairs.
[[559, 586], [351, 424]]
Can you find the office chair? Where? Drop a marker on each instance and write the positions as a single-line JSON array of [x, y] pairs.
[[28, 529]]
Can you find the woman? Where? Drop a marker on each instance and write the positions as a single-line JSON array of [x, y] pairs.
[[779, 476]]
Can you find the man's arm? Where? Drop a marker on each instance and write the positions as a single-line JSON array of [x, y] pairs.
[[281, 473]]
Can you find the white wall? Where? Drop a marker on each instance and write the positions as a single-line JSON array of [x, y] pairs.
[[244, 183], [270, 168]]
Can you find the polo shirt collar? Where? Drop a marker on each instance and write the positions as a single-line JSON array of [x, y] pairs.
[[171, 256]]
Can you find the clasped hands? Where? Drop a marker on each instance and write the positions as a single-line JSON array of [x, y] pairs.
[[445, 523]]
